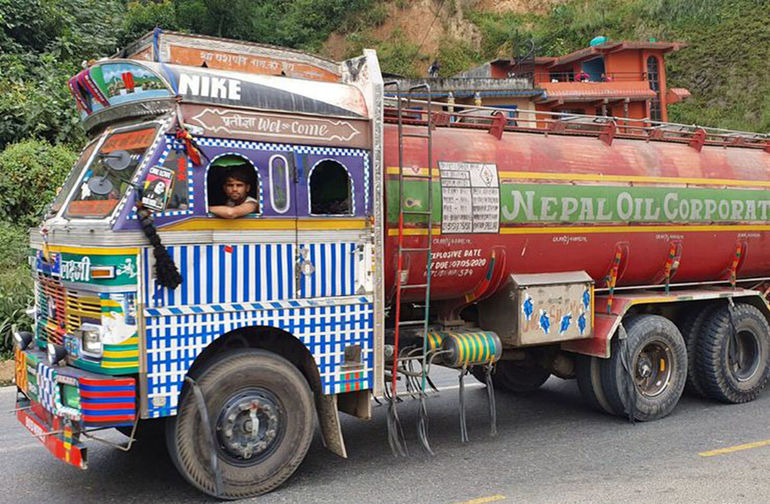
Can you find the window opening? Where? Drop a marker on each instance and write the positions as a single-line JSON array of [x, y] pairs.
[[110, 172], [330, 189], [231, 181], [72, 178]]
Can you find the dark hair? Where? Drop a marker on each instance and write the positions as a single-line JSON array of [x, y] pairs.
[[240, 173]]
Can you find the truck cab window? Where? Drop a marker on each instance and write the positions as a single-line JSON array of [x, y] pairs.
[[330, 189], [228, 168]]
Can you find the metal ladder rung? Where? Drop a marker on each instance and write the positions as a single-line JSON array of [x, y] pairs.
[[415, 249], [415, 135], [411, 322], [420, 177], [416, 212], [414, 286]]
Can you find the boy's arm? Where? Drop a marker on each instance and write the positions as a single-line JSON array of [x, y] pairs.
[[228, 212]]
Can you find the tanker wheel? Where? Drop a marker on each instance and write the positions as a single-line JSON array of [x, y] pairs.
[[649, 368], [734, 368], [692, 326], [261, 410], [513, 376], [590, 382]]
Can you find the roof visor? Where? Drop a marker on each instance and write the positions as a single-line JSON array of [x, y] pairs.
[[268, 92]]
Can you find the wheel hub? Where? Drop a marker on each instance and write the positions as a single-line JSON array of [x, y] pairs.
[[248, 425], [653, 368]]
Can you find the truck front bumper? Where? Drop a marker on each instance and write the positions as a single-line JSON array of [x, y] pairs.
[[58, 403]]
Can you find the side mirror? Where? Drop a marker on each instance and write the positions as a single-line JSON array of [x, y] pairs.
[[101, 186], [117, 160]]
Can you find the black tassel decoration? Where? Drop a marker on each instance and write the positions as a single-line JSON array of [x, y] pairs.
[[166, 271]]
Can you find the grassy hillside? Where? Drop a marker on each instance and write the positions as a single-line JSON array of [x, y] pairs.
[[726, 64]]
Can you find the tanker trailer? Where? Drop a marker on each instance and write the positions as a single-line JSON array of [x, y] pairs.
[[546, 237]]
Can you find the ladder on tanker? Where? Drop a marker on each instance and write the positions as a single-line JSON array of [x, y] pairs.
[[412, 213]]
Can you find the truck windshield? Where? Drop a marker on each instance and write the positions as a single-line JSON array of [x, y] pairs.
[[69, 183], [97, 200]]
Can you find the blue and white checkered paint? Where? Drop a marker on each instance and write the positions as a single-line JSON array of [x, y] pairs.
[[226, 287], [46, 386], [174, 341]]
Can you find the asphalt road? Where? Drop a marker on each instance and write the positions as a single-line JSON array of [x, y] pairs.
[[551, 448]]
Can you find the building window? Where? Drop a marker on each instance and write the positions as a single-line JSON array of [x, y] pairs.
[[653, 78], [330, 189], [280, 194]]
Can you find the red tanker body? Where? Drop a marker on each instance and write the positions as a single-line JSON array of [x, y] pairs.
[[570, 202]]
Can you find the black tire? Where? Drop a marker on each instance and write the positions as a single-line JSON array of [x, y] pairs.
[[722, 379], [691, 327], [275, 389], [514, 376], [654, 345], [587, 369]]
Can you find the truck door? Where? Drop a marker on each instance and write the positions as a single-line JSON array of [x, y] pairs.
[[331, 215]]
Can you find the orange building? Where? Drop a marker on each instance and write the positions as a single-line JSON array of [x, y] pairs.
[[622, 79]]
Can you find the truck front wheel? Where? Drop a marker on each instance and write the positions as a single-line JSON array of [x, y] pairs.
[[260, 411]]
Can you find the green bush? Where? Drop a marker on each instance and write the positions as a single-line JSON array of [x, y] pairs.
[[32, 172], [15, 297]]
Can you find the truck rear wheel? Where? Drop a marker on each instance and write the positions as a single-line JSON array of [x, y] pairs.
[[261, 410], [513, 376], [655, 360], [590, 382], [734, 369], [692, 326]]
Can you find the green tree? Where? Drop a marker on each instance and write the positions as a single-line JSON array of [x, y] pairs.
[[32, 172]]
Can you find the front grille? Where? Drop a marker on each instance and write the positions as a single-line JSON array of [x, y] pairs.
[[62, 310], [51, 310]]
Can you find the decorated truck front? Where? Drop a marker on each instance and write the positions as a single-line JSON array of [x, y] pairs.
[[116, 343]]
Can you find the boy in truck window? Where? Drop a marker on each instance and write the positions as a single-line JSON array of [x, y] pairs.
[[236, 188]]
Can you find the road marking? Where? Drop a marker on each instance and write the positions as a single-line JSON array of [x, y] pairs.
[[731, 449], [482, 500]]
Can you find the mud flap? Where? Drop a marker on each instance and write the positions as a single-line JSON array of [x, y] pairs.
[[329, 420]]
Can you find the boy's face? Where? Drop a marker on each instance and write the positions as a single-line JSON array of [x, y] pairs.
[[236, 190]]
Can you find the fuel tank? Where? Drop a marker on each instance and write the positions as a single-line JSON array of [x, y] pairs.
[[626, 211]]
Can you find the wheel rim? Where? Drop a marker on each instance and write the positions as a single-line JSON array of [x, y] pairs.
[[744, 356], [250, 426], [652, 368]]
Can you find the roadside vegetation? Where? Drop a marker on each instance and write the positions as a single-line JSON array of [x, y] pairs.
[[44, 42]]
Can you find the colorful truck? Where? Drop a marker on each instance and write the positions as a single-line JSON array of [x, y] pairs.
[[390, 235]]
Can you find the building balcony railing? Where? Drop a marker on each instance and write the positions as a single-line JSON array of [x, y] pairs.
[[589, 77]]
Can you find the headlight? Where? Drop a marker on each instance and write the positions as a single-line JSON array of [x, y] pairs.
[[91, 340], [22, 339]]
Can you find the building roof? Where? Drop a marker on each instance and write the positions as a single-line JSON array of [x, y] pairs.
[[592, 91], [609, 47], [674, 95], [462, 87]]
